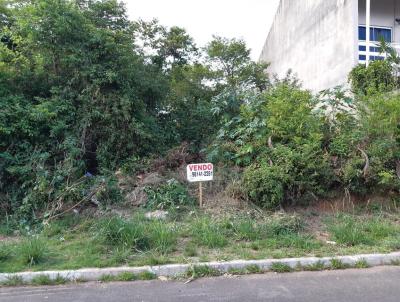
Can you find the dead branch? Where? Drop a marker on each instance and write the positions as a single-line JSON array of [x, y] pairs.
[[270, 145], [398, 168], [366, 158]]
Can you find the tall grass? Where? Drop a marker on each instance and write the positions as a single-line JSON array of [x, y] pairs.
[[209, 233], [352, 230], [137, 233], [33, 251]]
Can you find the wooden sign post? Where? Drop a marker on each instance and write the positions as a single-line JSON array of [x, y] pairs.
[[199, 173]]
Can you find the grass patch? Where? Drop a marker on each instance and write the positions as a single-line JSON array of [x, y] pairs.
[[352, 230], [116, 231], [208, 233], [279, 267], [33, 251]]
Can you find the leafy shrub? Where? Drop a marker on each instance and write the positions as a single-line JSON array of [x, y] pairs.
[[264, 186], [377, 77], [171, 195]]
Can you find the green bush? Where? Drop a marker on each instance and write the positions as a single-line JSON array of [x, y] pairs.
[[264, 186], [377, 77], [170, 195]]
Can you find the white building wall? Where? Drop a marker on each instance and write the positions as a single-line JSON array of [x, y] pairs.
[[383, 13], [317, 39]]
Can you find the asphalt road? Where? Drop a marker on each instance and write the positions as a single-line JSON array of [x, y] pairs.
[[378, 284]]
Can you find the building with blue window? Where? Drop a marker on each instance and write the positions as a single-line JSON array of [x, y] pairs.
[[322, 40]]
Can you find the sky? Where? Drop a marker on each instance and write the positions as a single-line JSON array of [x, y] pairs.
[[246, 19]]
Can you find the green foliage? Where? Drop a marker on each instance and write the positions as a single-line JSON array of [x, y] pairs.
[[377, 77], [170, 195], [264, 185]]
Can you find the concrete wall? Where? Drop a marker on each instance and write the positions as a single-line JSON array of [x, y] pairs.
[[383, 13], [317, 39]]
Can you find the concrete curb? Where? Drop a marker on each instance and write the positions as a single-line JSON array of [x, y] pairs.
[[176, 270]]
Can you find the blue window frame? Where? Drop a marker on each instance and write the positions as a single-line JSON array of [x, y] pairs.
[[376, 33]]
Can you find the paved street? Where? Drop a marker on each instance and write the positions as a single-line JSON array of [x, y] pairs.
[[378, 284]]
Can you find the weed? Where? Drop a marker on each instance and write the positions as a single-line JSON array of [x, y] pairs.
[[146, 275], [170, 195], [253, 269], [362, 263], [280, 267], [33, 251], [46, 280], [126, 276], [107, 278], [14, 281], [338, 264], [200, 271], [236, 271], [318, 266], [208, 233]]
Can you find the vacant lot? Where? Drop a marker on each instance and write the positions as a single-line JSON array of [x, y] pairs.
[[193, 235]]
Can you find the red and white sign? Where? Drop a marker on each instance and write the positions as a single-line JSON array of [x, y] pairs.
[[200, 172]]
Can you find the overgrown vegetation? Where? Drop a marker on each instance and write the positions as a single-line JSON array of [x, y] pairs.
[[92, 103]]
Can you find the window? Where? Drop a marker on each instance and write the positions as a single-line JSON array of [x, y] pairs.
[[376, 34]]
